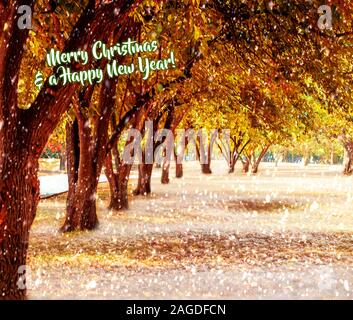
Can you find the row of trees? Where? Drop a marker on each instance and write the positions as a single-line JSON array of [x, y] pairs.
[[267, 73]]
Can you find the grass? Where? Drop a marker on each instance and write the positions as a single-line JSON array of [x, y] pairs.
[[197, 250]]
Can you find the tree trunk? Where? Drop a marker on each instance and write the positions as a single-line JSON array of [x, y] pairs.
[[231, 167], [233, 160], [206, 167], [81, 200], [179, 170], [118, 179], [81, 203], [144, 179], [348, 166], [179, 159], [19, 185], [348, 158], [118, 184], [236, 154], [83, 181], [255, 166], [81, 209], [166, 167], [82, 215], [165, 172], [73, 158], [119, 195], [305, 160], [19, 198], [246, 165]]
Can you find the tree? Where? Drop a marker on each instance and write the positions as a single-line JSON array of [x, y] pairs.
[[24, 133], [186, 24]]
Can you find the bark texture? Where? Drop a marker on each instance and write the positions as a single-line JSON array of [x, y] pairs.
[[118, 184], [81, 212], [255, 165]]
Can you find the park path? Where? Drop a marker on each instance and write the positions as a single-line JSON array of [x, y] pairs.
[[58, 183]]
